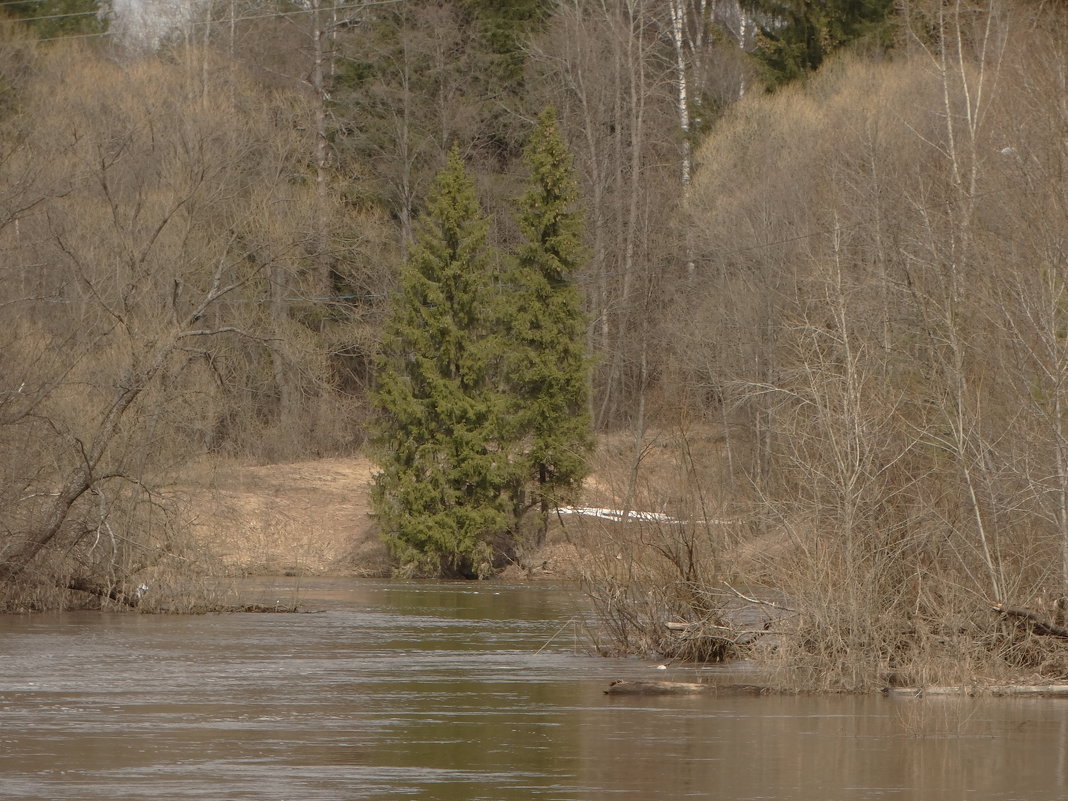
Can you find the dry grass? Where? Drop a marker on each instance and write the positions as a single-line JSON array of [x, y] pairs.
[[314, 517], [306, 518]]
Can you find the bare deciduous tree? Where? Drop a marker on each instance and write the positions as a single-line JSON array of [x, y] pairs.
[[133, 294]]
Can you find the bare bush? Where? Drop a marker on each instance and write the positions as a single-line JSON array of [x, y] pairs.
[[133, 311], [875, 319]]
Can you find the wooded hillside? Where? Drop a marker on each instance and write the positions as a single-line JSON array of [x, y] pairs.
[[833, 240]]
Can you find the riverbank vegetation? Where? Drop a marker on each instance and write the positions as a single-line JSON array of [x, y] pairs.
[[822, 276]]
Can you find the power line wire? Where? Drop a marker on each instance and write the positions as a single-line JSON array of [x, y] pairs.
[[19, 2], [58, 16]]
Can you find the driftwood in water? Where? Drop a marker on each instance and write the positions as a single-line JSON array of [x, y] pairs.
[[681, 688], [277, 608], [655, 688], [1047, 690], [1040, 690], [1038, 625]]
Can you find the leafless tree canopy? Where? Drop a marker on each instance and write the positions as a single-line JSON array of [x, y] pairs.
[[841, 307]]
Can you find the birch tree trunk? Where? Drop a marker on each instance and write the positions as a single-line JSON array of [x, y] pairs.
[[323, 284]]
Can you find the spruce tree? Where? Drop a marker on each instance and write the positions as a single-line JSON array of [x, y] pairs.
[[52, 19], [797, 36], [438, 496], [547, 370]]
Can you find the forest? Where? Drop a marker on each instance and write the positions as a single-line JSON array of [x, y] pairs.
[[820, 260]]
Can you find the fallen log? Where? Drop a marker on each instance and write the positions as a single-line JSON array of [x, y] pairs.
[[79, 584], [1038, 625], [1041, 690], [998, 691], [682, 688], [655, 688]]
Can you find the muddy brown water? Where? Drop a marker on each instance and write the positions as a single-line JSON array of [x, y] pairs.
[[458, 692]]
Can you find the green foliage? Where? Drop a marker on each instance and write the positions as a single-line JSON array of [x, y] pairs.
[[402, 94], [547, 369], [796, 36], [482, 394], [505, 25], [438, 495], [51, 19]]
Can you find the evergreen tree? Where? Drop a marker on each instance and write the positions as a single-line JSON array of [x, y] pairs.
[[438, 496], [547, 368], [796, 36], [52, 19], [506, 26]]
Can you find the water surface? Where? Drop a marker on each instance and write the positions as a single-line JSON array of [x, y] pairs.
[[460, 691]]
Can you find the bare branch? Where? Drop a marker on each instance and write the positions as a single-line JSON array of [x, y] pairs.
[[759, 601]]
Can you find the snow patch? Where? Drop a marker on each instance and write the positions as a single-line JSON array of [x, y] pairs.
[[622, 515]]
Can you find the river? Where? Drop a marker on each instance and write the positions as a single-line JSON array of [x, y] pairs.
[[457, 692]]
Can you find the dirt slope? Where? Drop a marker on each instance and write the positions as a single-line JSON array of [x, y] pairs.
[[313, 517], [306, 518]]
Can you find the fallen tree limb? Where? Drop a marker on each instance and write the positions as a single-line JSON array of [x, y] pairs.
[[655, 688], [682, 688], [80, 584], [1038, 625], [1040, 690], [713, 631], [759, 601]]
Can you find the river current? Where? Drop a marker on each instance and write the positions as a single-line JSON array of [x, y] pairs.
[[457, 692]]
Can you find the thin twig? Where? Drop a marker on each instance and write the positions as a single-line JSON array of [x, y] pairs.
[[772, 604], [557, 634]]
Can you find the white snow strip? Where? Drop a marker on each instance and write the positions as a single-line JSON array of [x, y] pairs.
[[620, 515]]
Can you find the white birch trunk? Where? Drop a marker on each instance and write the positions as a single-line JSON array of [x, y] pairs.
[[321, 285], [677, 36]]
